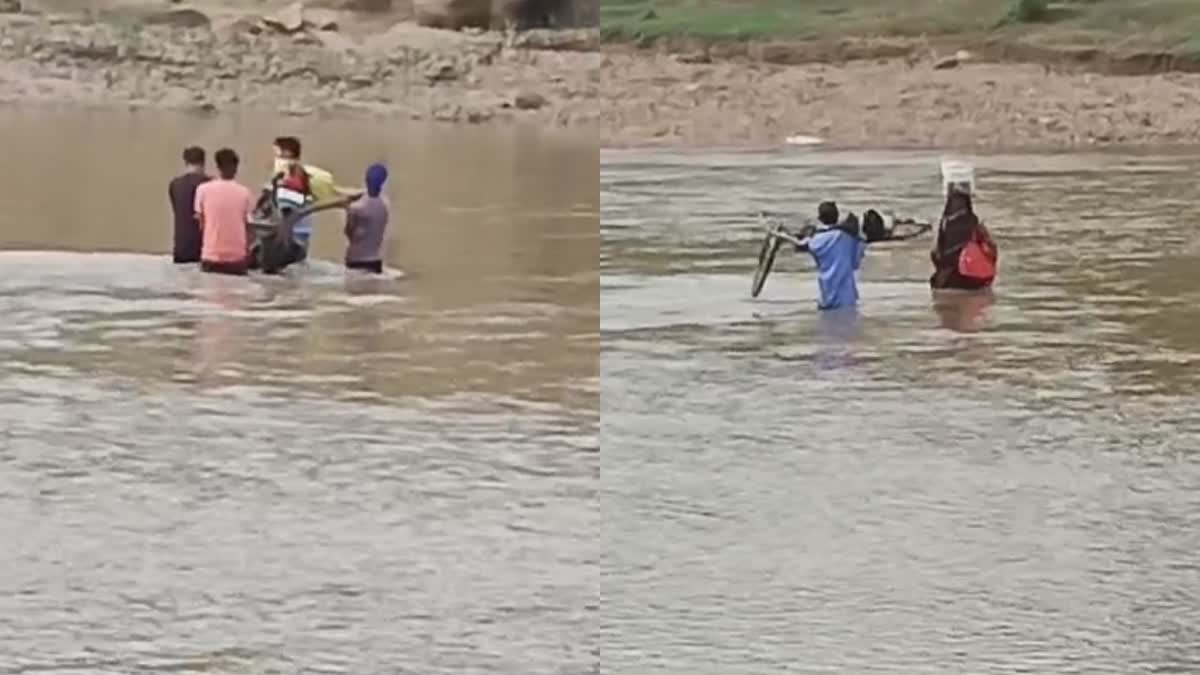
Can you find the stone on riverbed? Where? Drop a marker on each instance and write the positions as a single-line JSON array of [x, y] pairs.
[[296, 18], [179, 18], [288, 20], [529, 101], [453, 14], [367, 5], [953, 61]]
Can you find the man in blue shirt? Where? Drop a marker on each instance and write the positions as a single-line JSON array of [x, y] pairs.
[[838, 251]]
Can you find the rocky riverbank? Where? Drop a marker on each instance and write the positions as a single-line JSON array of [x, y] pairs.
[[298, 64], [651, 97], [302, 62]]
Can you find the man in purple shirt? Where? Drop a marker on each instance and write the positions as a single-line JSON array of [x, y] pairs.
[[182, 193], [366, 222]]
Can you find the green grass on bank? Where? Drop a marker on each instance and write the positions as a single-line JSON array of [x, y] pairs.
[[784, 19], [1168, 24]]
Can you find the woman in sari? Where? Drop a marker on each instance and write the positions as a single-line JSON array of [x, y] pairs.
[[964, 256]]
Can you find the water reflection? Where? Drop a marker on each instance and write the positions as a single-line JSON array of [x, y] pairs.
[[839, 326], [218, 333], [963, 311]]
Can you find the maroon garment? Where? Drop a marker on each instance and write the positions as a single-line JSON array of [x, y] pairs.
[[182, 193]]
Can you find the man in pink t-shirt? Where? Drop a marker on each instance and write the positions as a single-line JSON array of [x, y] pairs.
[[224, 207]]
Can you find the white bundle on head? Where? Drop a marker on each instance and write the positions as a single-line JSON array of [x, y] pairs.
[[957, 176]]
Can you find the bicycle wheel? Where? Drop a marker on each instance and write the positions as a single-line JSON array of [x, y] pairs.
[[766, 260]]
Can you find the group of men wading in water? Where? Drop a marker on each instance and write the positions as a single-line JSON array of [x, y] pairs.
[[215, 217], [964, 255]]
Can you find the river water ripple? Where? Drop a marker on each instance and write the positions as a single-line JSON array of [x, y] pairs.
[[316, 473], [969, 485]]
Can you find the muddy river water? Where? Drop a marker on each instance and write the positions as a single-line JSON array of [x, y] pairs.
[[308, 474], [977, 485]]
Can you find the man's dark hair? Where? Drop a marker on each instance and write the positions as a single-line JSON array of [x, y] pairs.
[[289, 145], [227, 162], [827, 213], [193, 156]]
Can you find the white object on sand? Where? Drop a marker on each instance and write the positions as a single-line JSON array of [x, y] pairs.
[[801, 139]]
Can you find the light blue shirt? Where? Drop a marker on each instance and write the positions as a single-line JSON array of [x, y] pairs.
[[302, 230], [838, 256]]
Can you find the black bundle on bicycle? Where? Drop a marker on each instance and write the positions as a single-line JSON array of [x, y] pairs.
[[274, 250], [874, 229], [273, 247]]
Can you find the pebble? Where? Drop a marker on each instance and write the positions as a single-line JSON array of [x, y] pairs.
[[529, 101]]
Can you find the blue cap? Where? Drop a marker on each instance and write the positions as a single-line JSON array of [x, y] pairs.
[[377, 174]]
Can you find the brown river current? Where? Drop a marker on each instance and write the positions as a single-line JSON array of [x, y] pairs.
[[973, 486], [308, 474]]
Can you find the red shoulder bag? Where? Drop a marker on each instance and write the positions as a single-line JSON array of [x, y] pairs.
[[977, 260]]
